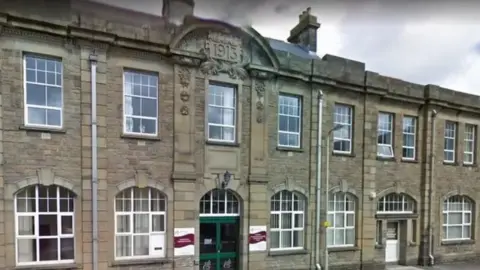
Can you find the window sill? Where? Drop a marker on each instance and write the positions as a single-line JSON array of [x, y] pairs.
[[290, 149], [457, 242], [227, 144], [409, 161], [470, 165], [42, 129], [382, 158], [450, 163], [69, 266], [287, 252], [135, 262], [140, 137], [343, 154], [343, 249]]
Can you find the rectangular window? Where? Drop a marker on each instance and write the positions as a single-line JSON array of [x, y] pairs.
[[222, 113], [409, 137], [289, 121], [342, 137], [140, 103], [385, 135], [379, 233], [469, 148], [449, 141], [43, 91]]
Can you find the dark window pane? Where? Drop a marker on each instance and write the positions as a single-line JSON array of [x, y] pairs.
[[51, 66], [148, 126], [54, 96], [41, 64], [30, 62], [50, 78], [67, 224], [54, 117], [149, 107], [67, 249], [31, 75], [47, 225], [48, 249], [41, 76]]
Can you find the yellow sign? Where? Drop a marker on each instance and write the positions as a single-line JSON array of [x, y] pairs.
[[326, 224]]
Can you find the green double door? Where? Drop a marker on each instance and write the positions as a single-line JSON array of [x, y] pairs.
[[219, 242]]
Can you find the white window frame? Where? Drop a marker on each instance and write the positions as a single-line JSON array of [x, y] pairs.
[[413, 134], [36, 235], [25, 82], [227, 197], [301, 205], [464, 211], [389, 131], [299, 117], [131, 215], [345, 125], [234, 109], [132, 95], [470, 138], [406, 203], [448, 128], [336, 199]]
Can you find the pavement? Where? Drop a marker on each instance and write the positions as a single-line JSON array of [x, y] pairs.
[[460, 266]]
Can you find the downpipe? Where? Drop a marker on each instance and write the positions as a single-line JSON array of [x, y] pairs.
[[319, 180], [430, 190], [93, 81]]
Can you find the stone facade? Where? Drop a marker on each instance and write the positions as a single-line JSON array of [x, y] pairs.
[[182, 163]]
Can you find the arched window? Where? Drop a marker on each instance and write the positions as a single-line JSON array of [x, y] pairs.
[[44, 231], [341, 216], [287, 219], [140, 223], [395, 204], [219, 202], [457, 218]]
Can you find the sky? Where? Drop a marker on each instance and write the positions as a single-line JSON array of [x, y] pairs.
[[426, 42]]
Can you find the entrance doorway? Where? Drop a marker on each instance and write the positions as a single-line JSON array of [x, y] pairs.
[[219, 231], [392, 249]]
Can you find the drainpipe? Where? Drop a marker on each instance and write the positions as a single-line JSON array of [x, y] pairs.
[[430, 189], [93, 82], [319, 180]]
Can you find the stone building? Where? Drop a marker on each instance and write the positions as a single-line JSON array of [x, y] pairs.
[[199, 150]]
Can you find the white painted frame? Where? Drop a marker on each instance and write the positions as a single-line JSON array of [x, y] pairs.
[[335, 198], [36, 235], [124, 97], [395, 199], [224, 199], [450, 127], [466, 210], [131, 214], [299, 117], [301, 200], [26, 105], [348, 125], [413, 134], [470, 138], [234, 108], [386, 144]]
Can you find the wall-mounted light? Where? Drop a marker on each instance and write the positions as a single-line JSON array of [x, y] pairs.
[[224, 180]]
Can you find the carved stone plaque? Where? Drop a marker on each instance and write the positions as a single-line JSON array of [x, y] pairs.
[[223, 47]]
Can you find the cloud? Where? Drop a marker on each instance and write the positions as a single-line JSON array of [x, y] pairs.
[[428, 42]]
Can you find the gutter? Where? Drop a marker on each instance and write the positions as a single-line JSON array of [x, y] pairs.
[[319, 180], [93, 84], [430, 190]]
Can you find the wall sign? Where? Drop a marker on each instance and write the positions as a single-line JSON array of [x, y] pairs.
[[184, 242], [257, 238]]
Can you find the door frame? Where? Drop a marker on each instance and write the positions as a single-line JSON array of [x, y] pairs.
[[218, 220]]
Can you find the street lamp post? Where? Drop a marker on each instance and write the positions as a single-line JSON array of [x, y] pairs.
[[327, 186]]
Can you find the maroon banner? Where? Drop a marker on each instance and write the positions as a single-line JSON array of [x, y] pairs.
[[184, 240], [257, 237]]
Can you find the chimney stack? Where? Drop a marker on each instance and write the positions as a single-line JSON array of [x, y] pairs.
[[176, 10], [305, 32]]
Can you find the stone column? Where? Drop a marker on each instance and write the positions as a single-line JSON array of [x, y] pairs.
[[86, 197]]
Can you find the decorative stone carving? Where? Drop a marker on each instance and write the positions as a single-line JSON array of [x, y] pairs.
[[184, 76], [259, 74], [184, 110], [260, 89], [186, 60], [184, 96], [224, 54]]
